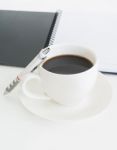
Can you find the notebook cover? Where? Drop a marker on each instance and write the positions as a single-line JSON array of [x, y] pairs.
[[23, 34]]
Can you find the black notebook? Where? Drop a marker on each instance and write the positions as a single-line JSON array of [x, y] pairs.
[[23, 34]]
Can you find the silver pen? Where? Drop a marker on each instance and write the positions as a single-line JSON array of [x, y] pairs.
[[40, 57]]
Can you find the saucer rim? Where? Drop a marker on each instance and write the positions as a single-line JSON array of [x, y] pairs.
[[21, 94]]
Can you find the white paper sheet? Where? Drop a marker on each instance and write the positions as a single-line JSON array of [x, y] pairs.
[[97, 31]]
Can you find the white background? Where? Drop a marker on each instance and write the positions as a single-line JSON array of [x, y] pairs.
[[20, 130], [91, 5]]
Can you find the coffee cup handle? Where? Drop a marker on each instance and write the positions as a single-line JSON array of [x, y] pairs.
[[31, 87]]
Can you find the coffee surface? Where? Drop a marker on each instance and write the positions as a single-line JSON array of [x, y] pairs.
[[67, 64]]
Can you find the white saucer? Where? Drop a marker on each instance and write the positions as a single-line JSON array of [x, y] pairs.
[[96, 102]]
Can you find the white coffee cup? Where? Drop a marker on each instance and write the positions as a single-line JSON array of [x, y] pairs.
[[66, 89]]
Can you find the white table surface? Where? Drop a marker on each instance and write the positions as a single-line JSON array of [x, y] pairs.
[[21, 130]]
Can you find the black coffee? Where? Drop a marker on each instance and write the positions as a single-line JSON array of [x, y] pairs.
[[67, 64]]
